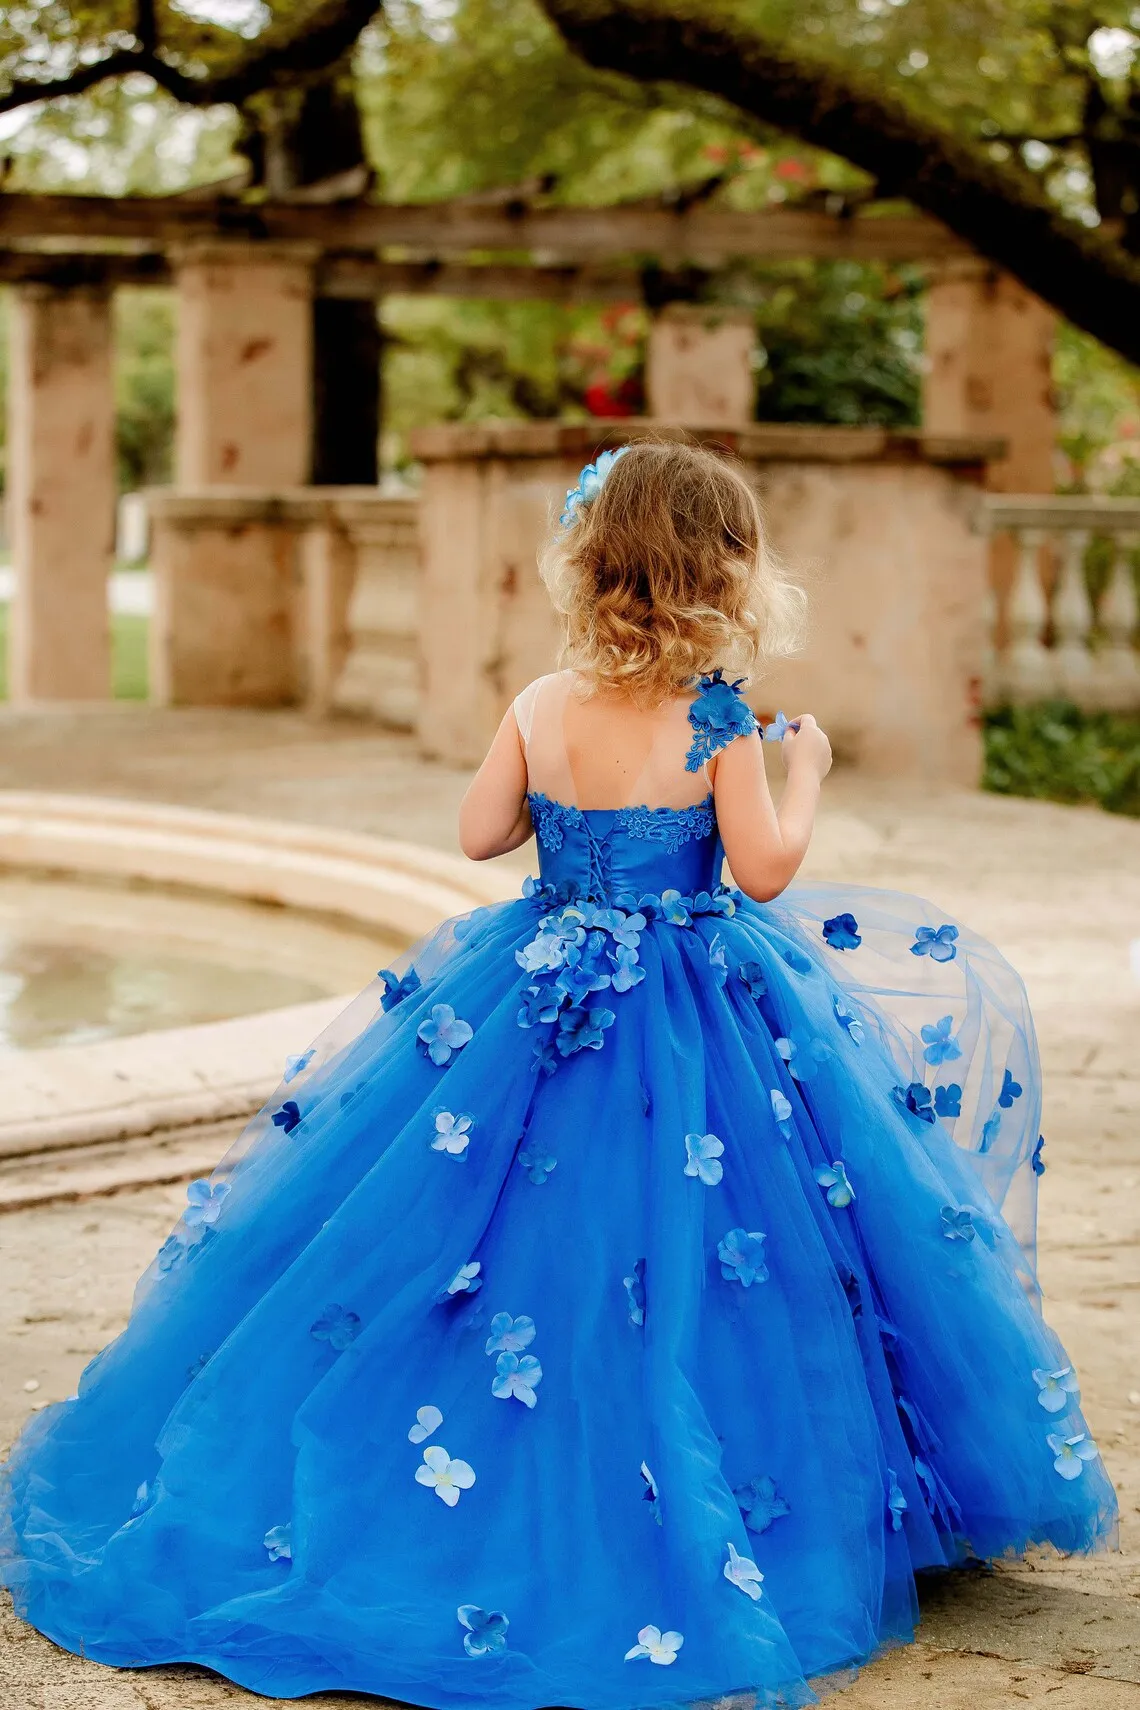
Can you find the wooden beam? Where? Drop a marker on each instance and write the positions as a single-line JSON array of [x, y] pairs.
[[520, 282], [703, 235], [360, 277]]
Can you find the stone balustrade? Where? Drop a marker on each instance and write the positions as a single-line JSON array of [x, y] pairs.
[[1054, 629]]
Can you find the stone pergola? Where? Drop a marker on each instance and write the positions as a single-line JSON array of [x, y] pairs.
[[245, 276]]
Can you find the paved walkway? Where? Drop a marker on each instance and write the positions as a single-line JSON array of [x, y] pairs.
[[1057, 888]]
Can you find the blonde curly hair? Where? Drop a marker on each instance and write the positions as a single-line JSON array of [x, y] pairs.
[[665, 574]]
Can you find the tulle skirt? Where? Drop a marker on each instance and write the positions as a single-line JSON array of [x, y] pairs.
[[639, 1372]]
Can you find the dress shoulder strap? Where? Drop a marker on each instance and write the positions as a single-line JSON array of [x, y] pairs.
[[718, 715], [523, 707]]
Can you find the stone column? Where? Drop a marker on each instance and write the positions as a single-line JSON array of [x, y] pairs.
[[699, 366], [61, 492], [225, 624], [244, 361], [989, 350]]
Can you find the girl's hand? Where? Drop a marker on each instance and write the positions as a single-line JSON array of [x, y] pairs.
[[806, 748]]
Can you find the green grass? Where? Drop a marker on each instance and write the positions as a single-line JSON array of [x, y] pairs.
[[1057, 753], [128, 656]]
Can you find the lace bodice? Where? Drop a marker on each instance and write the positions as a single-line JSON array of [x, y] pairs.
[[604, 853]]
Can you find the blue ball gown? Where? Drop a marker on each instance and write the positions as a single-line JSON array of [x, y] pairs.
[[618, 1306]]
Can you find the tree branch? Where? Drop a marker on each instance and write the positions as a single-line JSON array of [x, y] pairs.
[[997, 207], [294, 51]]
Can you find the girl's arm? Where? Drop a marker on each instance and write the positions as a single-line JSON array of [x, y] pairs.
[[764, 844], [493, 816]]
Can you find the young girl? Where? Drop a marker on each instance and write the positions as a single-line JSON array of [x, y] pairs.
[[623, 1302]]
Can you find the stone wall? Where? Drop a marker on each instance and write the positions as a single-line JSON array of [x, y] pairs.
[[879, 526]]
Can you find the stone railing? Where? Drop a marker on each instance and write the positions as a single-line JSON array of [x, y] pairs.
[[302, 595], [1054, 630]]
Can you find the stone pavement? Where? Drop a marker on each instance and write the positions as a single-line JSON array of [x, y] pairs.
[[1059, 891]]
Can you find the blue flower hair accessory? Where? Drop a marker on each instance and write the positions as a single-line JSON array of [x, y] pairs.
[[590, 483]]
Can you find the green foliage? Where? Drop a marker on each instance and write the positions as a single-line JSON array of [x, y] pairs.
[[1098, 396], [841, 343], [144, 386], [1056, 753]]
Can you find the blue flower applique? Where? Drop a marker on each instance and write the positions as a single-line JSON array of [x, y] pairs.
[[743, 1573], [295, 1066], [278, 1542], [896, 1502], [782, 1111], [577, 983], [741, 1255], [801, 1064], [204, 1203], [627, 973], [544, 1058], [288, 1117], [915, 1100], [718, 715], [948, 1101], [486, 1630], [199, 1366], [703, 1153], [538, 1166], [397, 989], [171, 1253], [634, 1286], [590, 483], [557, 937], [1010, 1090], [448, 1478], [510, 1335], [540, 1005], [659, 1647], [797, 961], [1071, 1453], [582, 1030], [467, 1280], [991, 1128], [850, 1022], [939, 1502], [336, 1326], [752, 976], [675, 908], [441, 1033], [518, 1376], [958, 1222], [467, 924], [760, 1503], [717, 961], [939, 943], [651, 1493], [1057, 1390], [941, 1046], [778, 728], [1037, 1161], [452, 1134], [428, 1422], [840, 1193], [842, 932], [143, 1498]]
